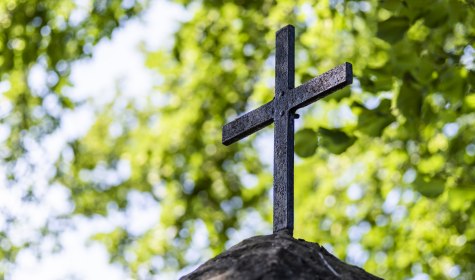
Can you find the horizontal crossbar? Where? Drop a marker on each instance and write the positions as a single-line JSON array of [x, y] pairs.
[[248, 123], [321, 86]]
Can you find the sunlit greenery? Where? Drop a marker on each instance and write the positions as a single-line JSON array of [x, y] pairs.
[[384, 169]]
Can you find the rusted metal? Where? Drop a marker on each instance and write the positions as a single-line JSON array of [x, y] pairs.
[[281, 111]]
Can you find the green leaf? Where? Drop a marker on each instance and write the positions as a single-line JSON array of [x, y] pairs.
[[422, 69], [373, 122], [306, 142], [334, 140], [409, 99], [438, 15], [469, 102], [432, 164], [340, 94], [460, 198], [428, 187], [390, 4], [419, 4], [452, 85], [471, 78], [393, 29], [374, 81]]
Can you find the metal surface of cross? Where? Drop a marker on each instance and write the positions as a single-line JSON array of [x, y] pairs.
[[281, 111]]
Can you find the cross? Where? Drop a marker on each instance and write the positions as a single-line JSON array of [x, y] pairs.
[[281, 110]]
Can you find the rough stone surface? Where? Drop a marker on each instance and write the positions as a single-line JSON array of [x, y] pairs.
[[277, 256]]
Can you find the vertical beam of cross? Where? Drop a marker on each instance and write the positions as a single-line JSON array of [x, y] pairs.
[[281, 111], [284, 131]]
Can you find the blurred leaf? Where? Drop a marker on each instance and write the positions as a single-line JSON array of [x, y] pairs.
[[461, 198], [408, 54], [452, 84], [437, 15], [431, 165], [469, 101], [373, 122], [334, 140], [393, 29], [409, 99], [390, 4], [306, 142], [423, 69], [429, 187], [340, 94]]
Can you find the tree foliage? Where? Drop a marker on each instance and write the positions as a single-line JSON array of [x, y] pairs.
[[46, 36], [385, 174], [50, 34]]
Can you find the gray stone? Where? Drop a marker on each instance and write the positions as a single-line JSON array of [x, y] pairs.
[[277, 256]]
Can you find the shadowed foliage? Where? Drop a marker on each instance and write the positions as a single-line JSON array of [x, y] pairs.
[[384, 171]]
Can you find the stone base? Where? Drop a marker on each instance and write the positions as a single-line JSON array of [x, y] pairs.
[[277, 256]]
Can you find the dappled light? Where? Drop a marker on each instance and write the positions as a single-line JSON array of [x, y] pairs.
[[112, 113]]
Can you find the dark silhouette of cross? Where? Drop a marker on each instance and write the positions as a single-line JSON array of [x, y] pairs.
[[281, 111]]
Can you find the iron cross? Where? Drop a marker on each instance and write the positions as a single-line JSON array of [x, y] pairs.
[[281, 110]]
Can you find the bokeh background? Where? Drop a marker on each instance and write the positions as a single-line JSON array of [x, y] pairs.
[[111, 112]]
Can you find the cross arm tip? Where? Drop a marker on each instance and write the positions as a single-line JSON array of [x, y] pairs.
[[226, 138], [348, 73]]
